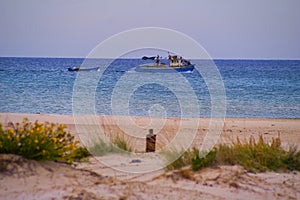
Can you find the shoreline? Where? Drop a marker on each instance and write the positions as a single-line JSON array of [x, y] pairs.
[[51, 115]]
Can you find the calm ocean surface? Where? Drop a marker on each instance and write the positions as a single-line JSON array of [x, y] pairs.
[[254, 88]]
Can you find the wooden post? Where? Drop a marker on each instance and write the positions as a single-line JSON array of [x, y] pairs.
[[150, 141]]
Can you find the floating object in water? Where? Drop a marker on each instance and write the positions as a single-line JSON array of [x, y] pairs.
[[148, 58], [82, 69]]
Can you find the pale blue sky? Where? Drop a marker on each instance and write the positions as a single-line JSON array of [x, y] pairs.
[[266, 29]]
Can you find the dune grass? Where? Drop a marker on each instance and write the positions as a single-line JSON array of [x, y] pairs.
[[121, 142], [180, 159], [100, 148], [255, 156], [118, 144]]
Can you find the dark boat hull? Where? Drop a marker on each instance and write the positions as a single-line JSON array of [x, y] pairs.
[[82, 69], [164, 68]]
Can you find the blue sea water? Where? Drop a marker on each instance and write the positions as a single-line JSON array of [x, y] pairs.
[[254, 88]]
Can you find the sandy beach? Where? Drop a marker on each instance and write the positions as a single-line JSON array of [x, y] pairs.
[[136, 128], [28, 179]]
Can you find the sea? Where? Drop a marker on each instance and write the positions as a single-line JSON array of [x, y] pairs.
[[244, 88]]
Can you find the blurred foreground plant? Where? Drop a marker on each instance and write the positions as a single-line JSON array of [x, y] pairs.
[[40, 141]]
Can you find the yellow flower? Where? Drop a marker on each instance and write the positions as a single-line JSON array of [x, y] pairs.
[[11, 131], [31, 131], [36, 141]]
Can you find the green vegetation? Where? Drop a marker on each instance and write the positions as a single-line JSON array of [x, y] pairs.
[[100, 148], [254, 156], [40, 141], [180, 159], [118, 145], [121, 143]]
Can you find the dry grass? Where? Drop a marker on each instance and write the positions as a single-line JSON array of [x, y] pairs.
[[119, 142], [254, 155]]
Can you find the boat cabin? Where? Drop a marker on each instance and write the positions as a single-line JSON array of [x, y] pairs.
[[176, 61]]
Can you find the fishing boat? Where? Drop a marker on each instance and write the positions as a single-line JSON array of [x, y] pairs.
[[173, 64], [82, 69]]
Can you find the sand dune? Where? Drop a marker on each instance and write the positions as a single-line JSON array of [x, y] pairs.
[[26, 179]]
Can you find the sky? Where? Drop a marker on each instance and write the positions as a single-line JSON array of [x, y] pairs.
[[231, 29]]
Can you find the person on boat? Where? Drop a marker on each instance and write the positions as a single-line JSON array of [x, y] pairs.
[[186, 62], [157, 60], [180, 61]]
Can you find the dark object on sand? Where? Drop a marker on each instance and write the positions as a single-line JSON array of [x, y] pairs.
[[150, 141]]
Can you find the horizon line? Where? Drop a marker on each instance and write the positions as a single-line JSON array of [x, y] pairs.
[[70, 57]]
